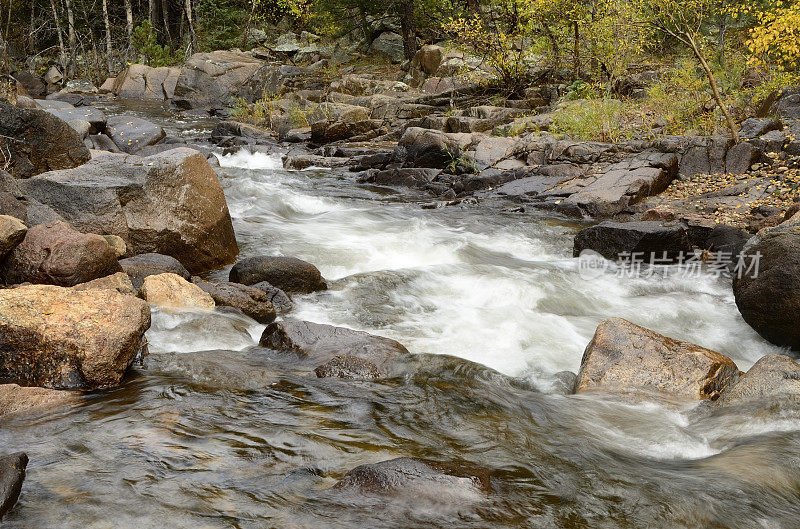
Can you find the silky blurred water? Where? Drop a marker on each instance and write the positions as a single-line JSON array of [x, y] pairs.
[[215, 432]]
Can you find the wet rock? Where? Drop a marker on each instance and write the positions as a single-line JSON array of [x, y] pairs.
[[56, 254], [12, 474], [348, 366], [287, 273], [768, 300], [320, 344], [645, 238], [173, 291], [304, 161], [119, 282], [252, 301], [140, 266], [330, 131], [726, 241], [38, 142], [406, 177], [623, 357], [15, 399], [12, 232], [226, 129], [170, 203], [279, 299], [61, 338], [131, 134], [143, 83], [415, 478], [774, 377], [95, 117]]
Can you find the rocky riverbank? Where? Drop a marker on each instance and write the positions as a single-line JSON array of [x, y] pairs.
[[103, 218]]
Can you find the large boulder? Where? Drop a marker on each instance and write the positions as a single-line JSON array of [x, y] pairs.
[[12, 474], [320, 344], [174, 292], [38, 142], [12, 232], [93, 116], [56, 254], [417, 479], [768, 296], [428, 59], [131, 134], [773, 378], [169, 203], [119, 282], [430, 148], [61, 338], [252, 301], [289, 274], [623, 357], [144, 83], [214, 77], [645, 239], [140, 266], [390, 45], [14, 203]]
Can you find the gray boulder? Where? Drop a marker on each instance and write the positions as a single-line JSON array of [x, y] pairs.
[[289, 274], [12, 474], [390, 45], [646, 238], [131, 134], [252, 301], [774, 377], [170, 203], [143, 265]]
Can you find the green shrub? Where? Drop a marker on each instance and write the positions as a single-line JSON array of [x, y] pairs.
[[150, 51]]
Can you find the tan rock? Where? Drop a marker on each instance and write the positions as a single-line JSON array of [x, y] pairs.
[[12, 231], [173, 291], [69, 339], [118, 244], [623, 357], [121, 282], [16, 399]]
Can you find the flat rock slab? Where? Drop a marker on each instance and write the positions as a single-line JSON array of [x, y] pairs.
[[12, 474], [15, 399], [130, 134], [320, 344], [624, 358], [94, 116], [647, 239]]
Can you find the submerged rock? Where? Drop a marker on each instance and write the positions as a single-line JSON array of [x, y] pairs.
[[170, 203], [38, 142], [289, 274], [252, 301], [17, 399], [769, 298], [12, 474], [414, 478], [173, 291], [279, 299], [366, 354], [773, 377], [140, 266], [56, 254], [66, 339], [623, 357]]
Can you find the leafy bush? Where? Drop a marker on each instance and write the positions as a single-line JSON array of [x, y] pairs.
[[593, 120], [145, 42]]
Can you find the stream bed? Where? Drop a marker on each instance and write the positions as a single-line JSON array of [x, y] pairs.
[[215, 433]]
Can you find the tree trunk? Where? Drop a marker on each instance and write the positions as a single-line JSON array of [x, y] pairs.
[[713, 82], [190, 18], [576, 55], [408, 28], [72, 41], [554, 45], [129, 24], [62, 50], [165, 15], [246, 31], [109, 50]]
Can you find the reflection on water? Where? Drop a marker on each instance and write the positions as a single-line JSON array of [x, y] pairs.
[[215, 432]]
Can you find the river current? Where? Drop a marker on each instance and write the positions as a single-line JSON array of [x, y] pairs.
[[213, 433]]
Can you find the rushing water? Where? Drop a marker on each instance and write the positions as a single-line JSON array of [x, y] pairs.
[[214, 433]]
